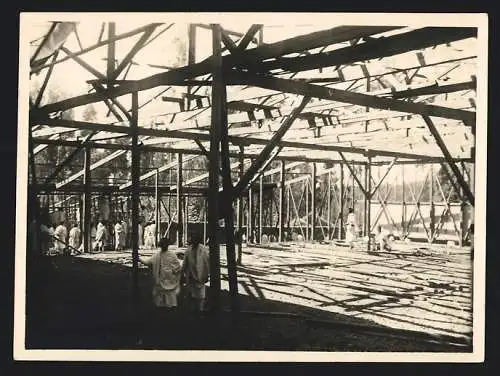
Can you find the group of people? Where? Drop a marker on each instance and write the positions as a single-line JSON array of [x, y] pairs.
[[103, 237], [59, 240], [170, 277]]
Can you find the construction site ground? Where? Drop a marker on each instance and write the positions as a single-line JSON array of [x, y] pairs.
[[293, 296]]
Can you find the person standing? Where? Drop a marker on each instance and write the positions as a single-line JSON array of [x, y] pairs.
[[196, 271], [351, 228], [74, 237], [119, 236], [165, 270], [125, 232], [101, 236], [61, 235], [140, 231]]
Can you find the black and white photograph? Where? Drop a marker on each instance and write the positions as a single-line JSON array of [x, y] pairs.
[[251, 187]]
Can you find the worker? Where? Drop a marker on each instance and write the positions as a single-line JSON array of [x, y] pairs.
[[165, 270], [125, 233], [74, 237], [93, 234], [101, 236], [351, 228], [61, 235], [119, 236], [196, 270], [149, 236], [141, 234], [382, 241]]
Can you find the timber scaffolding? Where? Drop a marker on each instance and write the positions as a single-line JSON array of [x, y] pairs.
[[334, 100]]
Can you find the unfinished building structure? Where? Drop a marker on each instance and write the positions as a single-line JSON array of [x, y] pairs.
[[268, 138]]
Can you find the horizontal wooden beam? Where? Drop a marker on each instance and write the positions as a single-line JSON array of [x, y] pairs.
[[312, 40], [434, 89], [372, 49], [302, 88], [245, 141], [109, 189], [178, 76], [230, 32], [97, 45], [163, 149]]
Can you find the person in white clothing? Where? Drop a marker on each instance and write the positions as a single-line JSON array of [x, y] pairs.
[[61, 234], [196, 270], [101, 236], [119, 236], [165, 270], [74, 237], [141, 234], [382, 241], [351, 228]]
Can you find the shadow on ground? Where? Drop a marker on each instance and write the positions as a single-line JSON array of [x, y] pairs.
[[75, 303]]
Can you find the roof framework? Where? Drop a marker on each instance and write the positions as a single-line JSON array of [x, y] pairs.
[[360, 103], [346, 112]]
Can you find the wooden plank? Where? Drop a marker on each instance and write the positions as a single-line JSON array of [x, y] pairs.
[[110, 66], [264, 155], [372, 49], [135, 170], [113, 75], [179, 75], [456, 171], [353, 173], [213, 183], [249, 36], [68, 159], [97, 45], [302, 88], [233, 140]]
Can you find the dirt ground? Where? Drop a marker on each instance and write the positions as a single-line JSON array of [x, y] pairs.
[[86, 303]]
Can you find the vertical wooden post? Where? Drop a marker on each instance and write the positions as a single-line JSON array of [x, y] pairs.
[[341, 228], [87, 197], [239, 214], [403, 215], [191, 57], [227, 205], [313, 200], [463, 214], [185, 216], [250, 216], [368, 188], [329, 205], [204, 220], [134, 126], [353, 187], [270, 197], [157, 210], [111, 50], [281, 234], [179, 208], [365, 227], [432, 207], [261, 206], [306, 183], [213, 174], [288, 210]]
